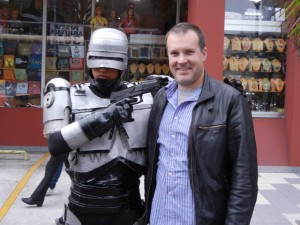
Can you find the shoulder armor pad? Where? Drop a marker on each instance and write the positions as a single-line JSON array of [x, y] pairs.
[[57, 105]]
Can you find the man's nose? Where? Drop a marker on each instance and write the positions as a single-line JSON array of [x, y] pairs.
[[182, 58]]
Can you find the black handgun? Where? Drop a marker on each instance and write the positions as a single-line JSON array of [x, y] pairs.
[[137, 90]]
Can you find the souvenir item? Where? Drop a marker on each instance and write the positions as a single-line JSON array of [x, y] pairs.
[[225, 63], [243, 63], [150, 68], [276, 64], [266, 85], [50, 75], [21, 62], [141, 68], [10, 47], [235, 44], [64, 51], [133, 68], [244, 83], [226, 43], [10, 88], [279, 84], [256, 64], [1, 61], [233, 64], [269, 44], [77, 76], [165, 68], [246, 44], [252, 84], [266, 65], [260, 84], [51, 50], [8, 74], [1, 48], [20, 74], [77, 51], [273, 87], [257, 45], [76, 63], [35, 62], [50, 63], [22, 88], [280, 44], [24, 49], [9, 61], [33, 75], [157, 68], [2, 87], [34, 87], [36, 49], [62, 63], [250, 64]]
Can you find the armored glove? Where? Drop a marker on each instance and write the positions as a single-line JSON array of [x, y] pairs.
[[100, 121]]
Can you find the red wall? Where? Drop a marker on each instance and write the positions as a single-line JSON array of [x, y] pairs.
[[292, 102], [21, 127], [278, 140]]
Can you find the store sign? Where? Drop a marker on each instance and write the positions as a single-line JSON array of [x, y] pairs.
[[66, 34]]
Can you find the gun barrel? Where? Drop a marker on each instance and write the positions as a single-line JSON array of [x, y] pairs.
[[135, 90]]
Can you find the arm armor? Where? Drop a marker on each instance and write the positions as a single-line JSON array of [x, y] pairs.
[[57, 105]]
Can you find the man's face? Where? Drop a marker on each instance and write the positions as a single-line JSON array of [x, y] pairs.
[[105, 73], [186, 59]]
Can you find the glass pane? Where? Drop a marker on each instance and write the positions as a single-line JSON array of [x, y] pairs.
[[255, 53], [69, 25], [20, 52]]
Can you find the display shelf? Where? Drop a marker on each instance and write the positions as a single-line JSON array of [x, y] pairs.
[[258, 114], [260, 26], [255, 53]]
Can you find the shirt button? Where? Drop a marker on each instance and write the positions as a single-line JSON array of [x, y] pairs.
[[170, 174]]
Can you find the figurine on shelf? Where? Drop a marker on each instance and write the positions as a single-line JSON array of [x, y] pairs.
[[3, 16], [15, 25], [32, 17], [98, 20], [129, 23], [113, 20]]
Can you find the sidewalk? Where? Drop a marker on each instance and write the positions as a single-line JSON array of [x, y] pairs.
[[278, 200]]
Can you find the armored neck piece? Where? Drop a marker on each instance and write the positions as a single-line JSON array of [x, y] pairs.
[[103, 87]]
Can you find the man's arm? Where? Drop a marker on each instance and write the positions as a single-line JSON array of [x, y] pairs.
[[243, 159]]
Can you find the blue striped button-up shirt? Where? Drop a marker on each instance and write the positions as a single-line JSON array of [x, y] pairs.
[[173, 201]]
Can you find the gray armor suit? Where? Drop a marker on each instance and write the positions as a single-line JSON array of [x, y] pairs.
[[94, 159], [106, 141]]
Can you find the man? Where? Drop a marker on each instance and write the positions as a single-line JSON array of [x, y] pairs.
[[106, 141], [202, 150]]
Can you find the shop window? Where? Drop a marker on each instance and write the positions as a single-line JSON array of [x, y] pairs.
[[255, 53], [24, 70]]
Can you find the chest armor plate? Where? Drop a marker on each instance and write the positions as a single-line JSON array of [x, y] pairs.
[[126, 142]]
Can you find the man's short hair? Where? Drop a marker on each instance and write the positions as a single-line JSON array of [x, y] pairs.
[[182, 28]]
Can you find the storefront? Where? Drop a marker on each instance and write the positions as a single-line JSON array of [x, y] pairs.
[[55, 45]]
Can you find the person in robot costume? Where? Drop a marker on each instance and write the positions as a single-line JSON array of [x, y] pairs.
[[106, 141]]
